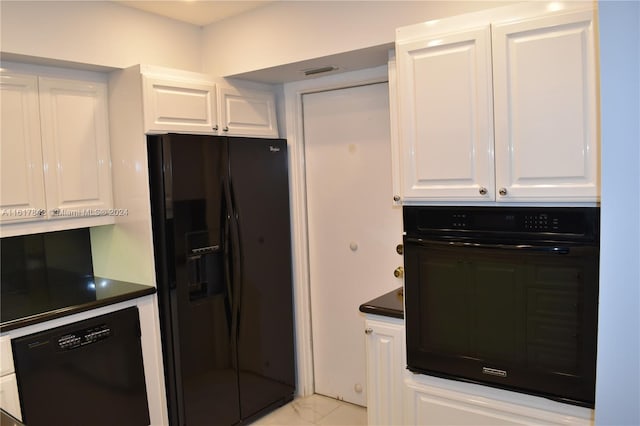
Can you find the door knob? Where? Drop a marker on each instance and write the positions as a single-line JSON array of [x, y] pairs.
[[502, 191], [398, 272], [482, 190], [399, 249]]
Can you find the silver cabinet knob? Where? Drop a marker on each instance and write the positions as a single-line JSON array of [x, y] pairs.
[[368, 330], [396, 198], [483, 190], [215, 128], [55, 212], [502, 191], [399, 249], [398, 272], [225, 129]]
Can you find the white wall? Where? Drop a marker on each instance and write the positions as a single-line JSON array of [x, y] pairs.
[[98, 33], [291, 31], [618, 373]]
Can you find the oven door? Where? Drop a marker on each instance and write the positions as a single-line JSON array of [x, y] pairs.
[[519, 317]]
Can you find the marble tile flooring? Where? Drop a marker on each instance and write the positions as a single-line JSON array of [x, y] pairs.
[[315, 410]]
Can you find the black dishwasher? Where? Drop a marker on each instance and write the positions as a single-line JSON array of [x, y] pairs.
[[86, 373]]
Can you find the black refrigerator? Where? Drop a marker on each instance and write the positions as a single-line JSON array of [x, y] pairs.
[[221, 230]]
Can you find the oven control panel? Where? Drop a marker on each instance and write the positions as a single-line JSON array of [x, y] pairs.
[[579, 222], [541, 223]]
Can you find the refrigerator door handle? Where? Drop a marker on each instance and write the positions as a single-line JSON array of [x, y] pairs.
[[234, 277], [228, 255], [170, 253]]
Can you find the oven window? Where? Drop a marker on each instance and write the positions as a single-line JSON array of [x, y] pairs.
[[518, 318]]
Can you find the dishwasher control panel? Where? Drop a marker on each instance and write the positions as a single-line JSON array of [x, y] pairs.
[[84, 337]]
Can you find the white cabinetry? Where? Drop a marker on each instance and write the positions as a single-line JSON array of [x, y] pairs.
[[247, 112], [179, 106], [545, 106], [500, 105], [22, 170], [184, 102], [385, 367], [56, 167], [433, 401], [446, 115], [9, 400]]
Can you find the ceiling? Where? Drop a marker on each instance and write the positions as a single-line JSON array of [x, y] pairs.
[[205, 12], [196, 12]]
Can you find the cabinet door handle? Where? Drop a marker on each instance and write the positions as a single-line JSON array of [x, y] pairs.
[[502, 191], [215, 127], [368, 330], [225, 129], [55, 212], [482, 190], [396, 198]]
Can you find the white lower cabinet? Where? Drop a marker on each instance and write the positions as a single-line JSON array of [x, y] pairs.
[[385, 369], [396, 396], [433, 401], [9, 400]]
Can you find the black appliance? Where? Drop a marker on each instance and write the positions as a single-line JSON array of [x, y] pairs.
[[221, 229], [504, 296], [89, 372]]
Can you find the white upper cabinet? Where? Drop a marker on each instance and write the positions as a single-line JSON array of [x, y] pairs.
[[56, 166], [179, 106], [75, 142], [446, 115], [184, 102], [248, 112], [22, 172], [500, 106], [546, 132]]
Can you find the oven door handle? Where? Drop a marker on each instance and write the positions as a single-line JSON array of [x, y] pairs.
[[521, 247]]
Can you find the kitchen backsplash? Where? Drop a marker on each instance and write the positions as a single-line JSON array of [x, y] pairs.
[[39, 267]]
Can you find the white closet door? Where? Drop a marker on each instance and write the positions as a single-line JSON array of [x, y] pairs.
[[353, 228]]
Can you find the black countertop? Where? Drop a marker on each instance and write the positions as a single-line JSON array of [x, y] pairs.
[[65, 295], [390, 304]]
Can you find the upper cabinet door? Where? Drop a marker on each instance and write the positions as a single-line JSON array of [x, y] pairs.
[[546, 131], [446, 122], [22, 195], [247, 112], [75, 143], [179, 106]]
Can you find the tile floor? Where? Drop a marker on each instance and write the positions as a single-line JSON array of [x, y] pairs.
[[315, 410]]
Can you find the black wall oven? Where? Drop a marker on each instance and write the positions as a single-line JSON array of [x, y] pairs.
[[504, 296]]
